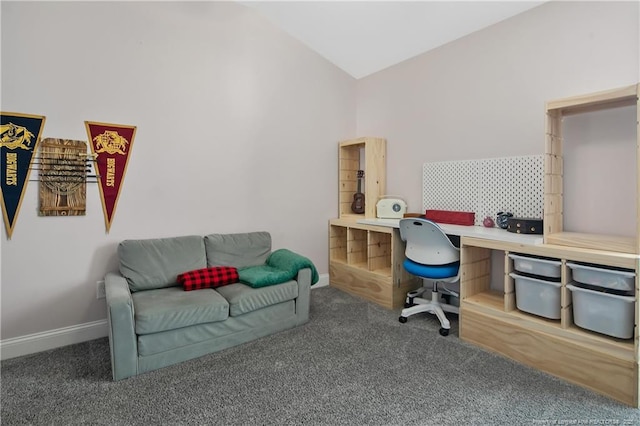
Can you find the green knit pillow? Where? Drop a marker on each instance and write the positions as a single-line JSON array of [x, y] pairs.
[[263, 275]]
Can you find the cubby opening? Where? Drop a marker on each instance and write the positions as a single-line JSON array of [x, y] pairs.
[[368, 155], [591, 171], [380, 253], [483, 277], [599, 172], [349, 166], [357, 248], [338, 243]]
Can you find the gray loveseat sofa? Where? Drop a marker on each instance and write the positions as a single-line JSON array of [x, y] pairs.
[[154, 323]]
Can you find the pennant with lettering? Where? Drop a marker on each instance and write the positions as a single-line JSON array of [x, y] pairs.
[[111, 144], [20, 135]]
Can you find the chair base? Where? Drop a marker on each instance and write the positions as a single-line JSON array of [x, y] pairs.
[[417, 305]]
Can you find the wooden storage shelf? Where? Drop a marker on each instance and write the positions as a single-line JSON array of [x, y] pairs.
[[476, 273], [369, 155], [489, 317], [367, 261], [573, 352], [556, 111]]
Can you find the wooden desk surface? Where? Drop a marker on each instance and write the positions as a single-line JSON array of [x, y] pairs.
[[497, 234]]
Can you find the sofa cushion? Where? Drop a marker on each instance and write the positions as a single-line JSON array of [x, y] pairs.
[[213, 277], [217, 335], [156, 263], [243, 299], [239, 250], [171, 308]]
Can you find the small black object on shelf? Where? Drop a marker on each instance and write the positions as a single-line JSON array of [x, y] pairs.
[[524, 225], [502, 219]]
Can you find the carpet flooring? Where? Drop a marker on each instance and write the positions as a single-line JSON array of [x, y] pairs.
[[352, 364]]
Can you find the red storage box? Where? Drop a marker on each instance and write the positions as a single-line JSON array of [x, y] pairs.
[[451, 217]]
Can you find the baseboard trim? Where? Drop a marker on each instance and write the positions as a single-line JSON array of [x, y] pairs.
[[38, 342], [322, 282]]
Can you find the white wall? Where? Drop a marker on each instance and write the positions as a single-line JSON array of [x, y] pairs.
[[237, 130], [483, 96]]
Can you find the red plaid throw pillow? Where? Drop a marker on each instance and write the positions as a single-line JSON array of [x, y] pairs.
[[208, 277]]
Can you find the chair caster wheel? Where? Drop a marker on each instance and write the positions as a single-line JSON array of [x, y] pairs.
[[444, 331], [408, 305], [402, 319]]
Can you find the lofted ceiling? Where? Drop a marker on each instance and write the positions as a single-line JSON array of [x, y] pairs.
[[363, 37]]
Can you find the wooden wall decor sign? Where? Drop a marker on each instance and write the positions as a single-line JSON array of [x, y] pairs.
[[62, 167], [19, 138], [111, 144]]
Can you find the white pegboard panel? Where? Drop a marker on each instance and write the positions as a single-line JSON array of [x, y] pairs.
[[451, 185], [513, 184]]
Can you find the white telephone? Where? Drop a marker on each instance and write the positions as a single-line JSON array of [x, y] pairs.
[[390, 207]]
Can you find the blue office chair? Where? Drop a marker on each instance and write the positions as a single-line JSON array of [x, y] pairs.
[[432, 256]]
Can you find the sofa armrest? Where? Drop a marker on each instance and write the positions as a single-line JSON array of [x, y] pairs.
[[304, 295], [120, 318]]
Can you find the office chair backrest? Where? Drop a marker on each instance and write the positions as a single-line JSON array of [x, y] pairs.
[[426, 242]]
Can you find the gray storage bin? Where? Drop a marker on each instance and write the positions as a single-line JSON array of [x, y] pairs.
[[602, 312], [602, 277], [538, 297], [536, 266]]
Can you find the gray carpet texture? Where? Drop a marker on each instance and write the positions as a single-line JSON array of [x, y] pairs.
[[352, 364]]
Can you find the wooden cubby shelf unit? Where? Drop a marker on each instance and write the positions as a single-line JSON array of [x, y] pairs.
[[490, 318], [556, 111], [366, 261]]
